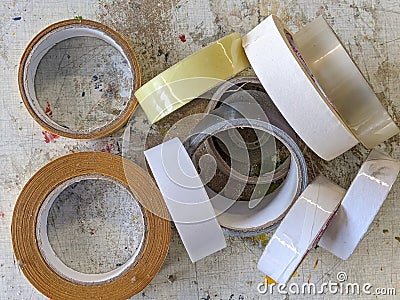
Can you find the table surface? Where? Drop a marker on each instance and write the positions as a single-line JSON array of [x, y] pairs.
[[369, 29]]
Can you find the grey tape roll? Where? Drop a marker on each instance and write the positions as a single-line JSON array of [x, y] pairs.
[[236, 217], [247, 98]]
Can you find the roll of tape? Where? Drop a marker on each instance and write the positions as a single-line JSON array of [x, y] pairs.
[[236, 217], [169, 90], [296, 94], [343, 83], [243, 94], [43, 270], [46, 40], [186, 199], [361, 204], [300, 229]]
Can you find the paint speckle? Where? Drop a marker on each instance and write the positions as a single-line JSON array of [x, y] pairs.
[[17, 18], [268, 280], [385, 231], [182, 37], [92, 231], [2, 215], [133, 279], [108, 148], [316, 263], [171, 278], [95, 77], [48, 110], [49, 137], [160, 52], [83, 94], [261, 240], [295, 274], [397, 238], [166, 56], [118, 264], [78, 17]]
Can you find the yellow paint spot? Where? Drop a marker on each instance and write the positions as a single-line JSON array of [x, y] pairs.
[[269, 280], [316, 263], [295, 274], [261, 240]]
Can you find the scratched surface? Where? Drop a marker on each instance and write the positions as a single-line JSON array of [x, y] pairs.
[[162, 33]]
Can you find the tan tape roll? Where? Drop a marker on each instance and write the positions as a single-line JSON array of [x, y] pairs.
[[47, 39], [135, 277]]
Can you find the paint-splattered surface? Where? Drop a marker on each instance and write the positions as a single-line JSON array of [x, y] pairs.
[[162, 33]]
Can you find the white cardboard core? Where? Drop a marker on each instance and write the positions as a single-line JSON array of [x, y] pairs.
[[50, 256]]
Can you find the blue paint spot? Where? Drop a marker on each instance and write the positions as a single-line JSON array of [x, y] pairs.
[[95, 77], [17, 18], [166, 56], [83, 94]]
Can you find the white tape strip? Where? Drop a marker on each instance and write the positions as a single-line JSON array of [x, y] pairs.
[[300, 229], [186, 199], [362, 202], [296, 94]]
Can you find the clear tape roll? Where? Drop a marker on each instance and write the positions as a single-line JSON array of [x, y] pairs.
[[219, 61], [29, 221], [47, 39], [294, 91]]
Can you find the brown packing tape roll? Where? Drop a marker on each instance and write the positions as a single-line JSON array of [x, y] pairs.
[[24, 227], [47, 39]]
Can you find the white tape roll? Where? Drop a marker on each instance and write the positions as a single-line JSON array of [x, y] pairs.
[[300, 229], [296, 94], [186, 199], [362, 202]]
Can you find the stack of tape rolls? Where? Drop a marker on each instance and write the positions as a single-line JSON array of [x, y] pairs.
[[40, 264], [43, 43], [173, 88], [317, 87]]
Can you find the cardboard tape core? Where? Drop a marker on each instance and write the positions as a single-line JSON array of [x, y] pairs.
[[41, 45]]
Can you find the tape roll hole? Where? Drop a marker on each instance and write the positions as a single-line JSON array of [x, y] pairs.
[[90, 229], [78, 80]]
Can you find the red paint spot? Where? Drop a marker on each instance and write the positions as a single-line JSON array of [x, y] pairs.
[[48, 110], [2, 215], [182, 37], [49, 137], [92, 231], [108, 148]]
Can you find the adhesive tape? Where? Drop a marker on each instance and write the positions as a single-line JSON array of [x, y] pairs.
[[237, 217], [243, 94], [345, 86], [169, 91], [47, 39], [296, 94], [361, 204], [300, 229], [186, 199], [36, 258]]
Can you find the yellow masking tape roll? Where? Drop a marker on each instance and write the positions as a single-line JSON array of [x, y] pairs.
[[171, 90], [345, 86], [40, 267]]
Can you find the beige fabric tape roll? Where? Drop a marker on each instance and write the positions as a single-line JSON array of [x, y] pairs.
[[42, 43], [296, 94], [29, 223]]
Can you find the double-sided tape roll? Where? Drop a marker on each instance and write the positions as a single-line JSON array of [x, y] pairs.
[[46, 40], [27, 223], [322, 112], [186, 199], [300, 229], [343, 83], [361, 204], [177, 86], [236, 217]]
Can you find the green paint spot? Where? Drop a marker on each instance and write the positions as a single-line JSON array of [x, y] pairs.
[[385, 231], [134, 218], [20, 128], [261, 240], [397, 238], [78, 17]]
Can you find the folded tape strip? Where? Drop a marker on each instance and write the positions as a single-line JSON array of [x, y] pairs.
[[300, 229], [186, 199], [361, 204], [47, 39], [296, 71], [219, 61], [27, 223], [236, 217]]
